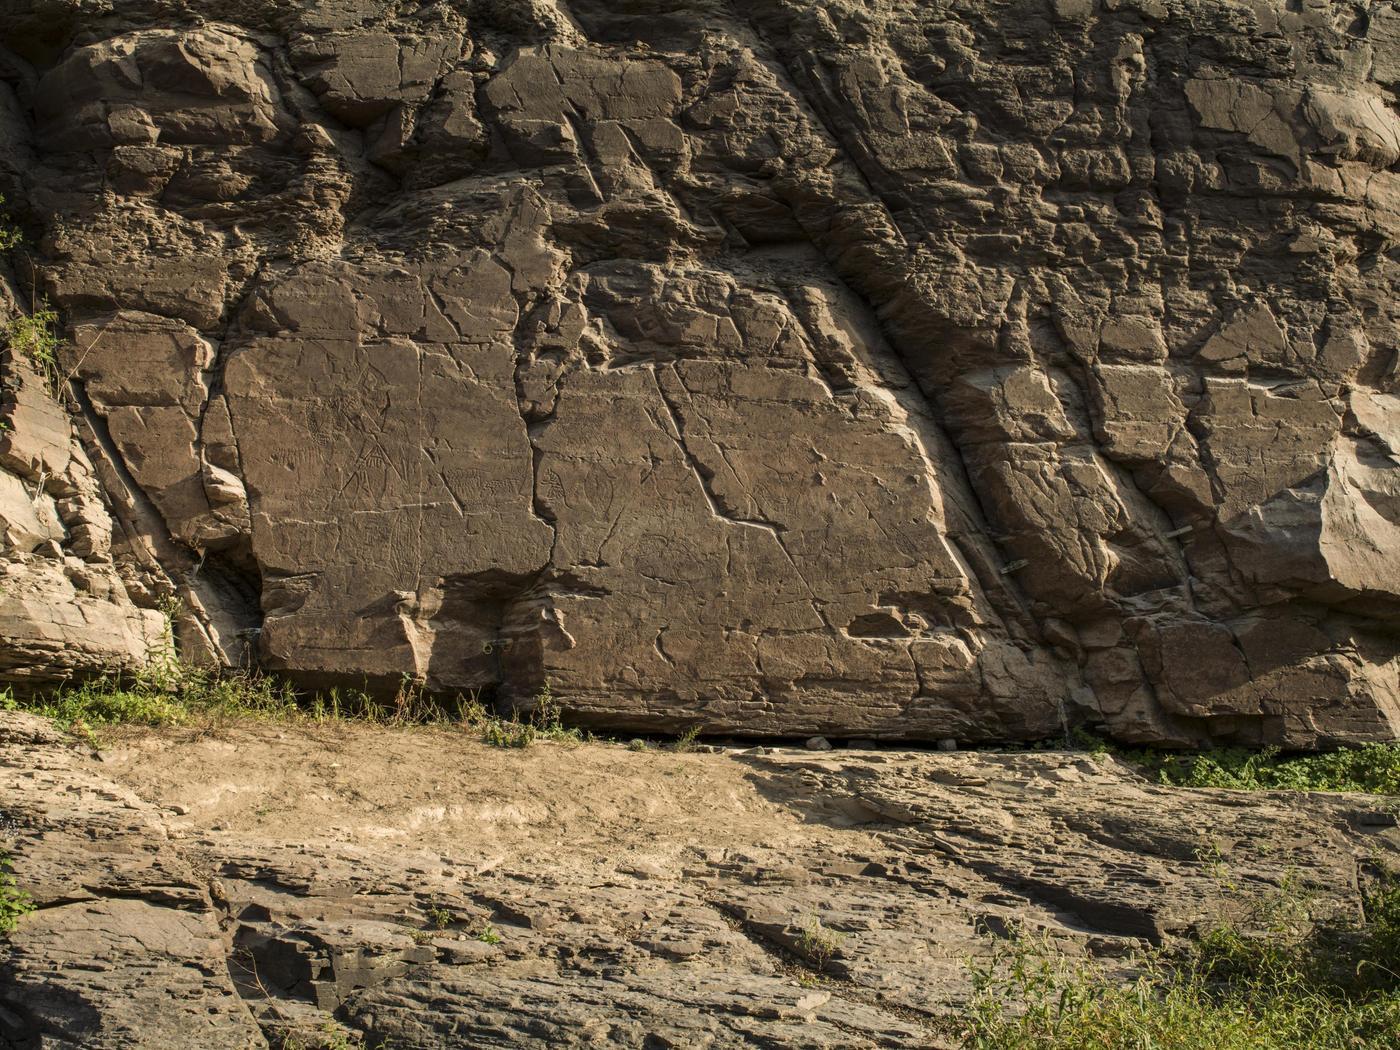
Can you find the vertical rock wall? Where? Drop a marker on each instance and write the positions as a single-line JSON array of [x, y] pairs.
[[909, 369]]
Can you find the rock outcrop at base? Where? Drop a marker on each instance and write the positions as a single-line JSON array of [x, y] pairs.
[[882, 369], [292, 885]]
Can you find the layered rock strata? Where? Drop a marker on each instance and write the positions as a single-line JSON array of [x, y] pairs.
[[269, 887]]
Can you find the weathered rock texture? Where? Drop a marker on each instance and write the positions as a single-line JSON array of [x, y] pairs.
[[247, 887], [913, 368]]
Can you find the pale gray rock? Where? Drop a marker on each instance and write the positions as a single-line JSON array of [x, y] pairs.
[[401, 915]]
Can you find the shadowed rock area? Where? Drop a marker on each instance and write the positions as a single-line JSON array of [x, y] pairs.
[[907, 369], [244, 887]]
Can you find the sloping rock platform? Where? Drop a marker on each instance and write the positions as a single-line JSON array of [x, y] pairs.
[[244, 887], [909, 368]]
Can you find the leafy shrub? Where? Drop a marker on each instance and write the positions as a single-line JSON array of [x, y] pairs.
[[686, 741], [544, 723]]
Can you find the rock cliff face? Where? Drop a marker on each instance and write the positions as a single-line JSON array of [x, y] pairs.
[[912, 368]]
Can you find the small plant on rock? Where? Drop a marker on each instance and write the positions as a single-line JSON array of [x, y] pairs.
[[35, 336], [488, 934], [14, 902], [686, 741], [819, 944], [10, 237]]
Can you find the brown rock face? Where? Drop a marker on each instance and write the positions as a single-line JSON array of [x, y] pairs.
[[907, 369]]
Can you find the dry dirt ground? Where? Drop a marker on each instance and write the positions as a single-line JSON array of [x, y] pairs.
[[249, 886]]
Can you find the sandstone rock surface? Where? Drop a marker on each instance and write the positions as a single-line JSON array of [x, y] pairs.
[[247, 887], [899, 369]]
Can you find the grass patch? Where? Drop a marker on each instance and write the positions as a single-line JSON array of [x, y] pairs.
[[169, 692], [1370, 768], [545, 722], [14, 902], [1280, 979], [162, 696]]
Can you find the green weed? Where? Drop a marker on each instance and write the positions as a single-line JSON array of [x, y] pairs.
[[441, 918], [819, 944], [1280, 979], [14, 902], [686, 741], [1373, 768], [167, 691], [488, 934], [544, 723], [35, 335], [1370, 768], [10, 237]]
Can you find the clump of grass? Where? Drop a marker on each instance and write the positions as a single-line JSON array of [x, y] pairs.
[[1370, 768], [545, 722], [205, 697], [686, 741], [1281, 980], [507, 733], [329, 1036], [1373, 768], [35, 336], [817, 943], [167, 691], [164, 692], [14, 902]]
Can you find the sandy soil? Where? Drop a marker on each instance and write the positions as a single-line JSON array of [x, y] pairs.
[[442, 790]]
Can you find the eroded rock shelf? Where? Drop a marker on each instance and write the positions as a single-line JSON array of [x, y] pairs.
[[247, 887]]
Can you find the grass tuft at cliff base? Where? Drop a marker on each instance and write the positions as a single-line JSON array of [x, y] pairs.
[[1370, 768], [177, 695], [1281, 979]]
